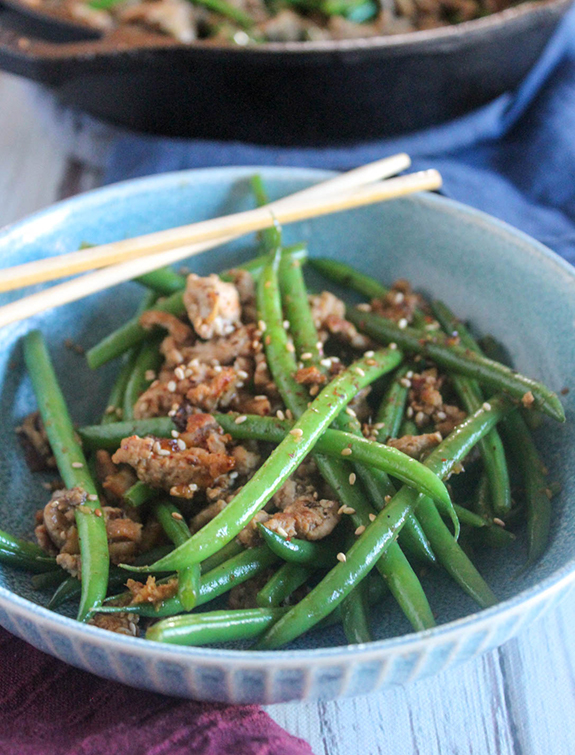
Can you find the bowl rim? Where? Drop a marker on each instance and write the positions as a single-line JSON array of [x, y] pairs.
[[555, 583]]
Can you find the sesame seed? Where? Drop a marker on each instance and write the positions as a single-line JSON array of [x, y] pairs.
[[296, 432], [405, 382], [392, 346], [290, 347], [409, 374], [352, 478], [402, 323], [359, 371], [387, 498], [341, 557], [172, 412], [487, 406], [163, 452], [242, 374], [181, 444], [218, 368], [441, 415], [346, 452], [156, 448], [372, 517], [369, 354], [314, 409], [399, 297], [177, 515], [286, 324], [175, 434], [92, 497], [364, 307], [314, 390], [319, 345], [172, 386], [240, 419], [420, 418], [348, 510], [98, 512], [370, 362], [282, 532], [77, 464], [349, 410], [307, 355], [289, 414], [132, 627], [234, 475], [379, 426], [262, 326], [498, 521], [326, 362], [240, 384], [110, 409], [280, 414], [180, 373], [360, 530], [409, 412]]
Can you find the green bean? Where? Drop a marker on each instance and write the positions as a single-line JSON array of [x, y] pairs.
[[468, 517], [139, 494], [164, 281], [354, 616], [149, 359], [233, 548], [303, 552], [132, 333], [471, 397], [482, 499], [247, 564], [537, 493], [336, 444], [73, 468], [285, 458], [214, 627], [178, 531], [394, 567], [377, 537], [284, 582], [267, 235], [109, 437], [23, 555], [458, 359], [392, 408], [345, 275], [114, 408]]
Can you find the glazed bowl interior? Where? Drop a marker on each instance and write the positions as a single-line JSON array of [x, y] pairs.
[[501, 281]]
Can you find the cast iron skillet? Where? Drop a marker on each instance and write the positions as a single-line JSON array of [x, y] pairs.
[[280, 93]]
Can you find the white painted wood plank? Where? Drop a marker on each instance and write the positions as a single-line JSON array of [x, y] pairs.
[[31, 162]]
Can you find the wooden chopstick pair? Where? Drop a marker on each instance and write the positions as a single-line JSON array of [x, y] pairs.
[[124, 260]]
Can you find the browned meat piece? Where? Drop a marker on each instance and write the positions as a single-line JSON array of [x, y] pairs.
[[203, 386], [307, 518], [169, 16], [399, 303], [71, 563], [162, 463], [243, 342], [246, 461], [202, 431], [244, 595], [152, 535], [359, 404], [59, 520], [347, 333], [151, 591], [425, 403], [34, 440], [416, 446], [212, 305], [310, 376], [328, 314], [116, 481], [250, 536], [324, 306], [121, 623], [263, 382], [179, 335], [245, 403]]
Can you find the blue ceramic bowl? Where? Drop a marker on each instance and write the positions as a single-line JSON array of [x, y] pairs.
[[503, 282]]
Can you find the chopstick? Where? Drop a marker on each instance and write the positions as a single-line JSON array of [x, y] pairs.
[[217, 229], [289, 212]]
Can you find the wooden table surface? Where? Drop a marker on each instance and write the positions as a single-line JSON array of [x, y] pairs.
[[518, 700]]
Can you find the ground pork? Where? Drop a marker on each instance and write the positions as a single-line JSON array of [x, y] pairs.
[[426, 406], [416, 446], [151, 591], [34, 440], [212, 306], [121, 623], [306, 518], [328, 313], [162, 463], [400, 303]]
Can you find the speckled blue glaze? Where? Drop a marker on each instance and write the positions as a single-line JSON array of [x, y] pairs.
[[503, 282]]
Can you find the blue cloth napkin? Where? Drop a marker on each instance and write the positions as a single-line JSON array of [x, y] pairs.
[[514, 158]]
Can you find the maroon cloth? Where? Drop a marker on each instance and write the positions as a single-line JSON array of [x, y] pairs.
[[50, 708]]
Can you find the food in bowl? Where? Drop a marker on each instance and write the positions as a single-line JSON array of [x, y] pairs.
[[245, 22], [228, 421]]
